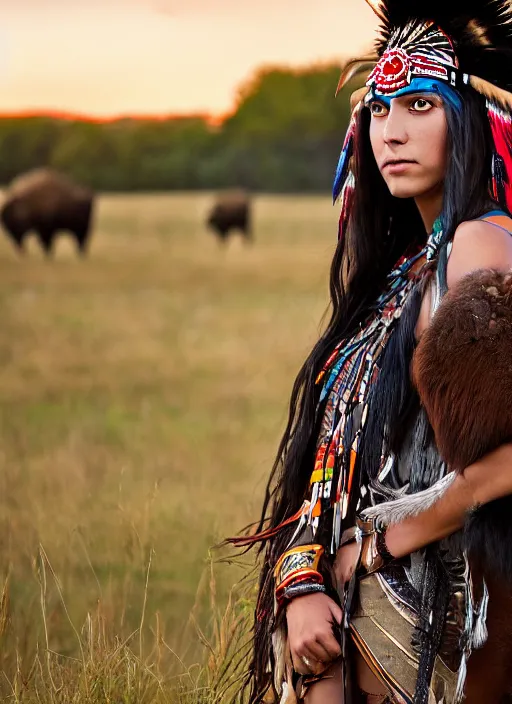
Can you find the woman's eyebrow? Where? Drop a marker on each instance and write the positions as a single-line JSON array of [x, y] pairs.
[[422, 94], [419, 94], [377, 99]]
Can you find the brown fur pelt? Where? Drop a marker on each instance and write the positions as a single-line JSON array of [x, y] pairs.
[[462, 369]]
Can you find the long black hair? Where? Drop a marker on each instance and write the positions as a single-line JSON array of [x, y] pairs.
[[381, 229]]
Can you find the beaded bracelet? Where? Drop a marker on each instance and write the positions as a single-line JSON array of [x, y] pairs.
[[301, 589], [382, 548], [298, 565]]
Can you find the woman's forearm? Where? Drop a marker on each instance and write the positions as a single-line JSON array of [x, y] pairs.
[[443, 518], [491, 477], [488, 479]]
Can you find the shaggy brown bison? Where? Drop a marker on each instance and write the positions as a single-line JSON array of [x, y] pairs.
[[232, 211], [46, 201]]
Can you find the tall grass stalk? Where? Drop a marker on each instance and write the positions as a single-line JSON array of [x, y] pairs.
[[110, 670]]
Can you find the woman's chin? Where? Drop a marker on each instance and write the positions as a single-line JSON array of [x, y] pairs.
[[405, 189]]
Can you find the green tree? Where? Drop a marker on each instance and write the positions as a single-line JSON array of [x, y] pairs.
[[284, 134]]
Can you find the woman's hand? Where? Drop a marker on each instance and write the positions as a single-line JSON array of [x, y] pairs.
[[312, 642]]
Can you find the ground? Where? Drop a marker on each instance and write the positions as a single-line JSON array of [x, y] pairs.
[[142, 394]]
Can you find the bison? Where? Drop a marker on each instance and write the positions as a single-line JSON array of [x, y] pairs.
[[47, 201], [232, 211]]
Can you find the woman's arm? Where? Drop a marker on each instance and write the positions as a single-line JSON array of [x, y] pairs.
[[488, 479], [477, 244]]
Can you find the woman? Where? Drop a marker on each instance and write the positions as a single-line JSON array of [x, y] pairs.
[[351, 609]]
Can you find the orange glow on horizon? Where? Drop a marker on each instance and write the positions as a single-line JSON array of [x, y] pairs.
[[213, 120]]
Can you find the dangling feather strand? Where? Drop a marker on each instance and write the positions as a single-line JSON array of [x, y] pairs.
[[355, 68], [501, 97]]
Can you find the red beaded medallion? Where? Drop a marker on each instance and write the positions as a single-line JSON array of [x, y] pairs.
[[392, 72]]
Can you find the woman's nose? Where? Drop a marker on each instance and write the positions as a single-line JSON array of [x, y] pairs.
[[395, 129]]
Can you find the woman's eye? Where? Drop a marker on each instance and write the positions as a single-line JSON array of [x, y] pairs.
[[421, 105], [378, 109]]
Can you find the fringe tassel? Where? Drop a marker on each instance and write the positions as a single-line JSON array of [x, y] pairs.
[[461, 681], [469, 632], [284, 693], [279, 645], [480, 633]]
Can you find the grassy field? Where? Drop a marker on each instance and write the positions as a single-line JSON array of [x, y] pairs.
[[143, 392]]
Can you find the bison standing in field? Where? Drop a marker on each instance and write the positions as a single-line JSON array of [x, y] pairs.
[[47, 201], [232, 211]]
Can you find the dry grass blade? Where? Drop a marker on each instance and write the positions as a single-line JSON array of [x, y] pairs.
[[144, 604]]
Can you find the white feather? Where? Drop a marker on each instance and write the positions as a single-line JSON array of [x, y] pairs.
[[409, 505]]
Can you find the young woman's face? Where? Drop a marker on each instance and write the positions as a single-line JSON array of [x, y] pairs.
[[409, 141]]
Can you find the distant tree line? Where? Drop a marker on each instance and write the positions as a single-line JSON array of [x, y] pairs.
[[284, 135]]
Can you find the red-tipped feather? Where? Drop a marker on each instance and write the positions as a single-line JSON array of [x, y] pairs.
[[247, 540], [501, 125]]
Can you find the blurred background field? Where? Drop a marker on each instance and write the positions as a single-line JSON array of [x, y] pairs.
[[144, 387], [142, 394]]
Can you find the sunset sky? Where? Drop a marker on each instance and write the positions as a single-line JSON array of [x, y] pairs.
[[111, 57]]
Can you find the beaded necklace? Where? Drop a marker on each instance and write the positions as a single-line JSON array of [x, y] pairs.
[[347, 378]]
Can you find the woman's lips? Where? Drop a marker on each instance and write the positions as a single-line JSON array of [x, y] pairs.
[[398, 166]]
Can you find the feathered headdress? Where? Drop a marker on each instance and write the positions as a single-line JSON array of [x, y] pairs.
[[454, 41]]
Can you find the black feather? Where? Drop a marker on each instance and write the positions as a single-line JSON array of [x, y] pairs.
[[481, 32]]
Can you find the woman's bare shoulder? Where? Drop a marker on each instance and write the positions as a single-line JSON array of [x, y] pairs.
[[480, 244]]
